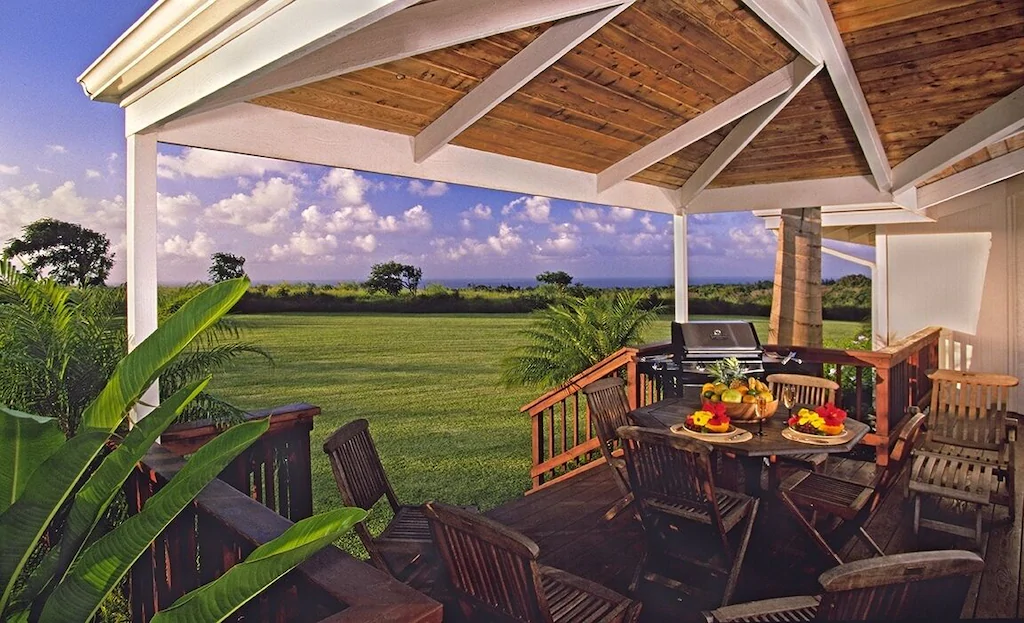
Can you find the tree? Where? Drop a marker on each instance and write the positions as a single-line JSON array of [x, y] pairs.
[[559, 278], [566, 339], [72, 254], [392, 277], [226, 266]]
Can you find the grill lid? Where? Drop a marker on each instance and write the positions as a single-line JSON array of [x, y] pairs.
[[715, 339]]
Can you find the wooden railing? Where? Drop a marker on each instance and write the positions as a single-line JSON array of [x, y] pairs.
[[221, 527], [275, 470], [879, 388]]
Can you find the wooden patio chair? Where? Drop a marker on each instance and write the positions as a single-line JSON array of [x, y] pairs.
[[362, 482], [673, 482], [918, 585], [807, 390], [608, 406], [494, 574], [968, 451], [850, 504]]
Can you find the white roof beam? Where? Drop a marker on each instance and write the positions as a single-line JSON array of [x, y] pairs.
[[271, 43], [744, 132], [262, 131], [416, 30], [969, 180], [1000, 120], [791, 23], [723, 114], [840, 70], [853, 190], [543, 52]]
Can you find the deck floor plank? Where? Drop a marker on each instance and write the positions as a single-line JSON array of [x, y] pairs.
[[567, 522]]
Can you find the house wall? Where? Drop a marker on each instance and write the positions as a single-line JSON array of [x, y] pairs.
[[965, 279]]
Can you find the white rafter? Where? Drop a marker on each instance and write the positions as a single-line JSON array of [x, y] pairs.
[[417, 30], [790, 22], [261, 131], [968, 180], [542, 52], [840, 70], [273, 42], [744, 132], [1000, 120], [857, 189], [723, 114]]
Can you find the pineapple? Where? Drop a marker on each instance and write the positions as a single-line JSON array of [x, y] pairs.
[[727, 372]]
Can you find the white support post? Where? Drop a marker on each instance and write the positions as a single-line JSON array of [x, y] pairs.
[[880, 293], [141, 243], [682, 278]]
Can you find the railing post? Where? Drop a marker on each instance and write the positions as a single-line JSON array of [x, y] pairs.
[[882, 413], [538, 446], [633, 381]]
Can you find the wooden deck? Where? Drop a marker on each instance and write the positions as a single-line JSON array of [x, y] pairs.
[[566, 522]]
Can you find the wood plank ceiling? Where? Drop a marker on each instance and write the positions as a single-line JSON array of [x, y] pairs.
[[925, 66]]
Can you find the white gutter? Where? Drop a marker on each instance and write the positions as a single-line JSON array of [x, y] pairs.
[[166, 31]]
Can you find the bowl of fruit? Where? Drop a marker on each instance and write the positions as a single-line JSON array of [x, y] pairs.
[[738, 392]]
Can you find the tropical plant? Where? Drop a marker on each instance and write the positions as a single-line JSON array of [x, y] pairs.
[[58, 345], [558, 278], [72, 254], [569, 337], [49, 485]]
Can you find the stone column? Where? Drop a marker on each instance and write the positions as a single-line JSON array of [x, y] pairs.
[[796, 297]]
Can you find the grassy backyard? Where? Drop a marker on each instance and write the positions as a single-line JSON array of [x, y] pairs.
[[428, 384]]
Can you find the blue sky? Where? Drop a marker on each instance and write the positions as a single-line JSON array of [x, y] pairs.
[[62, 156]]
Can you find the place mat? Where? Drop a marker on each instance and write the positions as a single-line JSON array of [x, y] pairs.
[[737, 436], [818, 440]]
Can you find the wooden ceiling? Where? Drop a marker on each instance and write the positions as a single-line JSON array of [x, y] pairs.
[[925, 67]]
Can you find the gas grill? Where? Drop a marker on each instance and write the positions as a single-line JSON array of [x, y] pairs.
[[697, 344]]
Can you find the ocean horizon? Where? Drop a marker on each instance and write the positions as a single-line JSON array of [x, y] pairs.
[[528, 282]]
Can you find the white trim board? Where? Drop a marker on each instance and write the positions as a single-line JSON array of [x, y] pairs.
[[260, 131]]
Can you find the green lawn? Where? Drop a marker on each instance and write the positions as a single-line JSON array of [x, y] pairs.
[[428, 384]]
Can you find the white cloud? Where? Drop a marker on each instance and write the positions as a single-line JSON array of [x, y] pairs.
[[534, 209], [9, 170], [604, 228], [21, 206], [466, 224], [422, 189], [564, 228], [262, 212], [201, 246], [753, 241], [585, 214], [506, 241], [208, 164], [303, 246], [113, 160], [40, 169], [91, 174], [349, 218], [562, 244], [347, 186], [649, 227], [56, 149], [479, 212], [620, 214], [417, 218], [178, 209], [366, 243]]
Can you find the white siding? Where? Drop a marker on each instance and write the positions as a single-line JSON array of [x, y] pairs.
[[938, 286]]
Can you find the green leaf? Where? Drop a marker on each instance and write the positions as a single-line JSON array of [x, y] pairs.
[[141, 367], [219, 599], [24, 522], [102, 487], [28, 441], [104, 563]]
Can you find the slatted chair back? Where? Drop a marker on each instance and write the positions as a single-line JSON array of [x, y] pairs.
[[357, 467], [807, 390], [608, 405], [918, 585], [673, 469], [490, 566], [908, 437], [969, 409]]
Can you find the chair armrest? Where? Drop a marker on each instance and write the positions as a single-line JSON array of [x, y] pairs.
[[780, 606], [583, 584], [1012, 425]]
